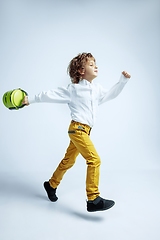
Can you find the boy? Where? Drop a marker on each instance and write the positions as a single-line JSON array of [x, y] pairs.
[[83, 97]]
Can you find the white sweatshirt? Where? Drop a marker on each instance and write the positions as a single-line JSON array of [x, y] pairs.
[[82, 98]]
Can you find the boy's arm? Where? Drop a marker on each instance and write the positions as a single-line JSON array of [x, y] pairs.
[[60, 95], [106, 95]]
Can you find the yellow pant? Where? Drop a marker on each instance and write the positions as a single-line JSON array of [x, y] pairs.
[[80, 143]]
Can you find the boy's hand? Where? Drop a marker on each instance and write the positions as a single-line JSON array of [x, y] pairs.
[[126, 74], [25, 101]]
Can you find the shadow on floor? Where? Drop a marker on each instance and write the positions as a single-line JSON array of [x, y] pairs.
[[20, 189], [65, 209], [88, 217]]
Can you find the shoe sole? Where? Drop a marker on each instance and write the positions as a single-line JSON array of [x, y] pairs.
[[103, 209]]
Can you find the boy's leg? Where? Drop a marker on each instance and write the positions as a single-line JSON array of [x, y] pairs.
[[66, 163], [82, 142]]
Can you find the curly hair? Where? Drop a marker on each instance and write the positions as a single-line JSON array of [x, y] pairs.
[[76, 66]]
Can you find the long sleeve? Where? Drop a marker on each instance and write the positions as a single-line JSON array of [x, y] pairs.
[[60, 95], [106, 95]]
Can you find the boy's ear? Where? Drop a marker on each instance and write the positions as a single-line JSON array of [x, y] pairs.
[[81, 71]]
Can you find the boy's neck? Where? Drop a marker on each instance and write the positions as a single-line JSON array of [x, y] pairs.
[[89, 80]]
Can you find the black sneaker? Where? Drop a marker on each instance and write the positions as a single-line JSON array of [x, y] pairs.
[[51, 192], [99, 204]]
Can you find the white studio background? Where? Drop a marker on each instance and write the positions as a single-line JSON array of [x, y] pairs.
[[38, 40]]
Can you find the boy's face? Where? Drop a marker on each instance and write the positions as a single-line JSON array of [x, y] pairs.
[[90, 70]]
